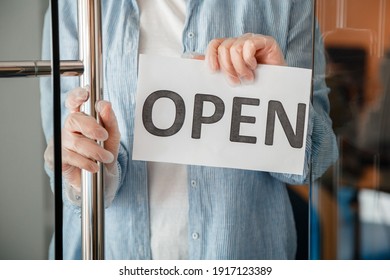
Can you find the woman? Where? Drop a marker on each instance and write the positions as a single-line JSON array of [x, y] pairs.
[[167, 211]]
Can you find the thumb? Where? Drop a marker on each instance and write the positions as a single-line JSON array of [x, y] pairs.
[[110, 123], [193, 55]]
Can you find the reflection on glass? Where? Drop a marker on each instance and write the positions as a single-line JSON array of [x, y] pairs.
[[352, 200]]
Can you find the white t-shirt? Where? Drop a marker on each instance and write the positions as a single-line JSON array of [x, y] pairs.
[[161, 28]]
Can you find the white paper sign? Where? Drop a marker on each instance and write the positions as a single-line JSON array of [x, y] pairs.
[[187, 115]]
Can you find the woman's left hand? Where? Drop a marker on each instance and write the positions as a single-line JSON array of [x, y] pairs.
[[238, 57]]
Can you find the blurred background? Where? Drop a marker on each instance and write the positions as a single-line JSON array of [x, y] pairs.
[[346, 215], [350, 205]]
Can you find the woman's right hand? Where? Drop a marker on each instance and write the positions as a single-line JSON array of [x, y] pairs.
[[79, 136]]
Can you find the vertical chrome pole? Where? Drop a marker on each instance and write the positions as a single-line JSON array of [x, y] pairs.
[[90, 52]]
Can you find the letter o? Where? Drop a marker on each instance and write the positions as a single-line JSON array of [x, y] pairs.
[[147, 111]]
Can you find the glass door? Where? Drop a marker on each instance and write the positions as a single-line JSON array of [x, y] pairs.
[[26, 202], [350, 204]]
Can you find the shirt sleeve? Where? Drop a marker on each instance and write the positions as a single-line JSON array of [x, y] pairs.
[[69, 51], [321, 146]]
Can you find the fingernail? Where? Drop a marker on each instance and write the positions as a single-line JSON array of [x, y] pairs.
[[106, 157], [101, 134], [83, 94], [109, 158], [212, 68], [95, 168], [253, 65], [247, 79], [99, 106]]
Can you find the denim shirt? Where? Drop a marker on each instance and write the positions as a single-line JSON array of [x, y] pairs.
[[233, 214]]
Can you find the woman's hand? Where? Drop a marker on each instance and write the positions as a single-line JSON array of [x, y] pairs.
[[79, 136], [238, 57]]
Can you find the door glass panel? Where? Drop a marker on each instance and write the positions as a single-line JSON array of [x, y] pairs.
[[350, 204], [349, 215], [26, 203]]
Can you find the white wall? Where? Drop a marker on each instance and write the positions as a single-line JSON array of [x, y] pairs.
[[25, 196]]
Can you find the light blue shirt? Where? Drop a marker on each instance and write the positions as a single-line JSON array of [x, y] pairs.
[[233, 214]]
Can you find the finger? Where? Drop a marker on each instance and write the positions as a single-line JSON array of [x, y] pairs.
[[262, 49], [249, 51], [72, 176], [107, 117], [71, 158], [86, 148], [109, 121], [85, 125], [225, 61], [193, 55], [212, 54], [242, 69], [76, 98], [199, 57], [48, 155]]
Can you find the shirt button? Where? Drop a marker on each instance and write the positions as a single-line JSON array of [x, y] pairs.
[[190, 35], [78, 197], [193, 183], [195, 236]]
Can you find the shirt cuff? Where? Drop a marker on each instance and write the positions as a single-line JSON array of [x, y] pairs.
[[111, 185]]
